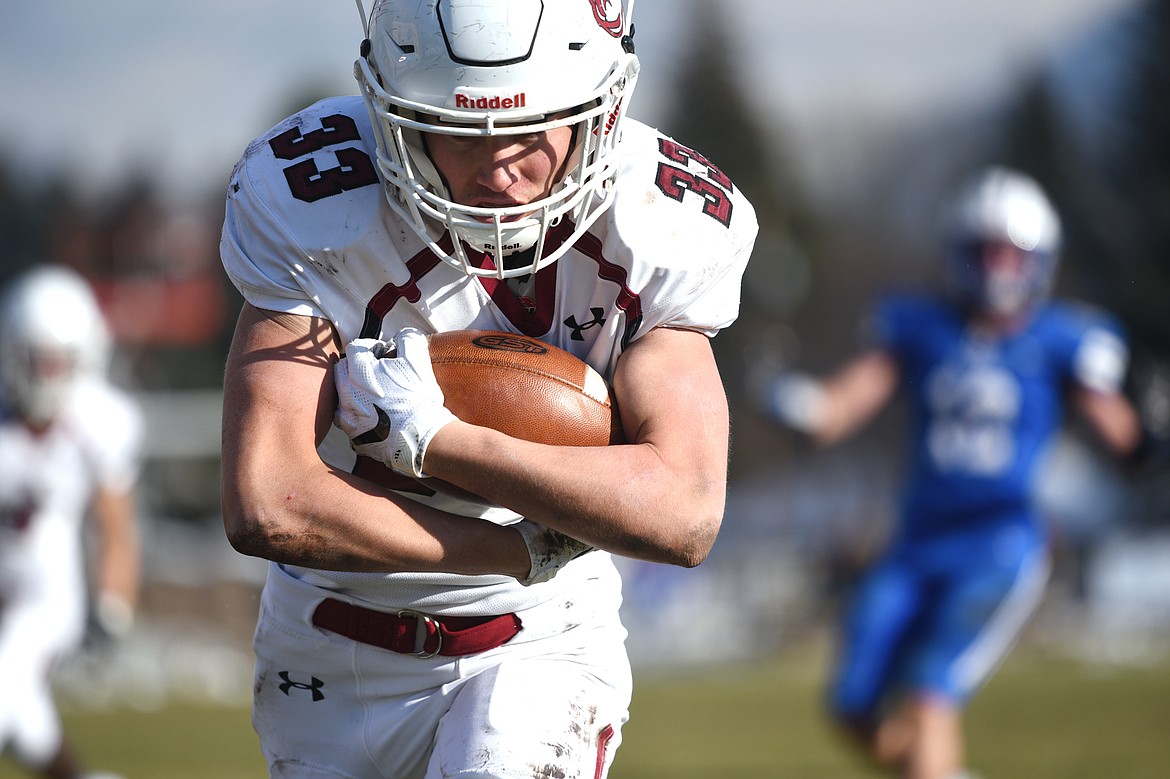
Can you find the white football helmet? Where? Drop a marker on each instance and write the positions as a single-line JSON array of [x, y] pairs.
[[1002, 205], [485, 68], [52, 337]]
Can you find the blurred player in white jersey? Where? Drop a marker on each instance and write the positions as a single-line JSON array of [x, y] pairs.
[[487, 178], [987, 372], [69, 451]]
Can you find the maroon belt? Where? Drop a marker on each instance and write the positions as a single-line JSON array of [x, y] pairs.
[[413, 633]]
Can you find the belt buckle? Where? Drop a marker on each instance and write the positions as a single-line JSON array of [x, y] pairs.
[[420, 633]]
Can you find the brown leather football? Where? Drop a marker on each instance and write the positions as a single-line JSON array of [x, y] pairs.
[[524, 387]]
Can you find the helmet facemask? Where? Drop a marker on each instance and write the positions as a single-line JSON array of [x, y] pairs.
[[1001, 287], [40, 379]]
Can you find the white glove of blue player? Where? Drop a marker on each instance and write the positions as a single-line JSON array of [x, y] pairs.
[[796, 400], [548, 549], [113, 615], [389, 403]]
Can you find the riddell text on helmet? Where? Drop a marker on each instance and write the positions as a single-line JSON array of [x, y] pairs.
[[518, 100]]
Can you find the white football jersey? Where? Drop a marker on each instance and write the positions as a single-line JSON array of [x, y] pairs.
[[47, 481], [308, 231]]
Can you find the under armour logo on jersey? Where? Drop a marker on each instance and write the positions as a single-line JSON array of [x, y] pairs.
[[314, 686], [597, 321]]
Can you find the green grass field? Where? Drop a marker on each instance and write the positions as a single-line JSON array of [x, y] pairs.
[[1040, 718]]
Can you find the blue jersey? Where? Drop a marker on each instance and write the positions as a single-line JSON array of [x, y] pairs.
[[984, 407]]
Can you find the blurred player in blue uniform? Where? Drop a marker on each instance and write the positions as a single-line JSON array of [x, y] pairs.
[[987, 373]]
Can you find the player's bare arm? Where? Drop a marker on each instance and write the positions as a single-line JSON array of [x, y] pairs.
[[659, 498], [119, 565], [1112, 417], [854, 395], [279, 398]]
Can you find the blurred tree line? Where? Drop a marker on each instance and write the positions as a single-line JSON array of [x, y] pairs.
[[154, 266]]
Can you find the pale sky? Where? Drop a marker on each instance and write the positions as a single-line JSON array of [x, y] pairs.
[[180, 88]]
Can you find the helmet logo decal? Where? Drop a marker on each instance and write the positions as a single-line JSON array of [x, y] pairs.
[[608, 14], [611, 120], [519, 100]]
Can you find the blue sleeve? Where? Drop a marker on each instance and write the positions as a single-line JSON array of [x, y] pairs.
[[895, 320], [1087, 345]]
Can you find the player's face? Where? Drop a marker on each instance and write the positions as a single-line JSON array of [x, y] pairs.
[[47, 365], [51, 374], [1005, 268], [500, 171], [1003, 256]]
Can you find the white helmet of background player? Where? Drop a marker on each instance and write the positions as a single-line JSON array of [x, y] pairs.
[[52, 337], [476, 68], [1006, 208]]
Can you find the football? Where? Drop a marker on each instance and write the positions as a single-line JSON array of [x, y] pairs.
[[524, 387]]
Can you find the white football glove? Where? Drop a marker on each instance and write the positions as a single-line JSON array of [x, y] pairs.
[[548, 549], [389, 403], [114, 615], [797, 400]]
